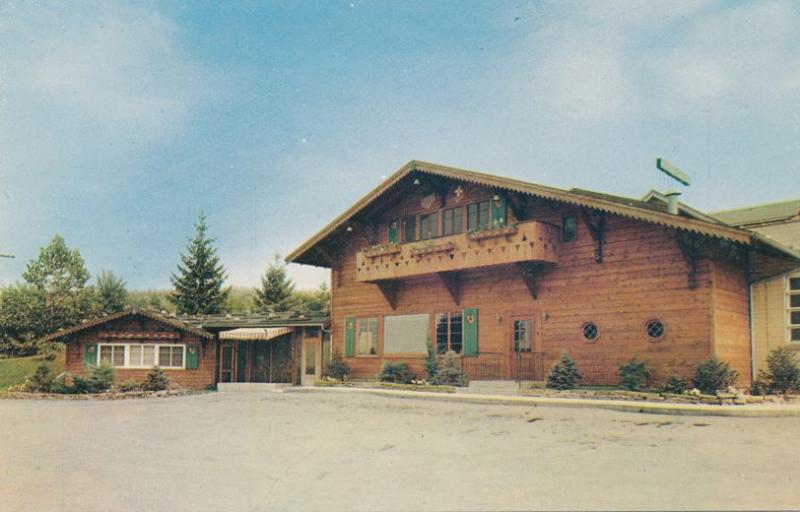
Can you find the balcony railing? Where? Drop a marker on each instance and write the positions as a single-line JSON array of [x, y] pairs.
[[530, 241]]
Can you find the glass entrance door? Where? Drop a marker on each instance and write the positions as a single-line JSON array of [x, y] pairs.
[[226, 362]]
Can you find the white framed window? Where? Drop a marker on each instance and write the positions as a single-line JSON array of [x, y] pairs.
[[138, 355], [793, 292], [367, 336]]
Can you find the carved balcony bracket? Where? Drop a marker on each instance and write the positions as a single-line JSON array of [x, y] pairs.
[[530, 272], [596, 223], [389, 290], [689, 244], [452, 283]]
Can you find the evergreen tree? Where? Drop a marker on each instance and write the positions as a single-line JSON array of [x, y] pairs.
[[111, 292], [198, 284], [58, 279], [564, 375], [276, 289]]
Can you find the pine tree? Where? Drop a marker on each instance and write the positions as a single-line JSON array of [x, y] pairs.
[[198, 284], [111, 292], [276, 289], [564, 375]]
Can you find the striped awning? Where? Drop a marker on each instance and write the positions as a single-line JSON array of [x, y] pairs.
[[254, 333]]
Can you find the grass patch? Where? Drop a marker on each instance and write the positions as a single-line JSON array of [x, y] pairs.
[[14, 370]]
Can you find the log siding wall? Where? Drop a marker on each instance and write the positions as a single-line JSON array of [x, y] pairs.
[[643, 276]]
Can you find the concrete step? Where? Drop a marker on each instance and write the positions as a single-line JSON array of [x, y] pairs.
[[251, 387]]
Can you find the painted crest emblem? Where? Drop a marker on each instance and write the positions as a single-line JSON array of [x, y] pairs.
[[192, 350], [470, 319], [459, 193]]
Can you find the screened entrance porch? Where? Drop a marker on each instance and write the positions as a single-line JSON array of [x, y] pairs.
[[259, 355]]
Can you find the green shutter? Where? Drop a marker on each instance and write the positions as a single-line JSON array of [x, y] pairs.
[[90, 354], [498, 212], [349, 337], [393, 232], [470, 331], [192, 356]]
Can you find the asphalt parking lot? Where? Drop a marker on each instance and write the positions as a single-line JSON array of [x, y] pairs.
[[293, 451]]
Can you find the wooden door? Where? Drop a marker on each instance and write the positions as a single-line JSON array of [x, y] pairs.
[[227, 361], [523, 358], [310, 368]]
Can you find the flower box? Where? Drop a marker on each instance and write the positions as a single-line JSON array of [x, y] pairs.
[[492, 232], [382, 250], [422, 250]]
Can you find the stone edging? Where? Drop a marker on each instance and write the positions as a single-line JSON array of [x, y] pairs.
[[23, 395], [753, 410]]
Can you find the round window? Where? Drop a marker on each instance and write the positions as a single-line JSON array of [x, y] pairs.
[[655, 329], [590, 331]]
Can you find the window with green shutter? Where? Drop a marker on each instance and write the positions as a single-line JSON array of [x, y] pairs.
[[90, 354], [192, 356], [349, 337], [470, 331]]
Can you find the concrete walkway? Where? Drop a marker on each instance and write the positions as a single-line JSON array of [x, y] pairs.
[[745, 411]]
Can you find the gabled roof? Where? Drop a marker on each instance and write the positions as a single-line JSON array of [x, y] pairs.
[[172, 322], [761, 214], [631, 208]]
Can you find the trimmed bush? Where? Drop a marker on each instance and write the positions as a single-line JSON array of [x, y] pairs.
[[712, 375], [156, 380], [450, 373], [783, 372], [431, 362], [41, 380], [675, 385], [396, 372], [129, 386], [634, 375], [99, 380], [564, 375], [337, 368]]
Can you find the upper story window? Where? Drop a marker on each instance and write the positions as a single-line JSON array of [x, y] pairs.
[[794, 308], [478, 216], [569, 228], [453, 221], [409, 228], [429, 226]]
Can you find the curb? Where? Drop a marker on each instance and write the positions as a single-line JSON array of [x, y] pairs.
[[741, 411]]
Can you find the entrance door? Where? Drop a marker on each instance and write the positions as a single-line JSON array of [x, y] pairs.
[[523, 358], [311, 370], [227, 362]]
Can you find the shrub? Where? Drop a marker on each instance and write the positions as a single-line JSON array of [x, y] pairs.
[[431, 363], [156, 380], [396, 372], [450, 373], [337, 368], [634, 374], [130, 385], [712, 375], [41, 380], [783, 372], [60, 386], [99, 380], [564, 375], [760, 385], [675, 385]]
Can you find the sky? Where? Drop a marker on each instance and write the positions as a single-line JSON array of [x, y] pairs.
[[120, 121]]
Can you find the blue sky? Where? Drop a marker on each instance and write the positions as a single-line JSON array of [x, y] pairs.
[[120, 121]]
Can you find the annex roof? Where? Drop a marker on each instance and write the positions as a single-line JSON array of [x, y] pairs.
[[761, 214], [158, 317], [646, 211], [254, 333], [257, 320]]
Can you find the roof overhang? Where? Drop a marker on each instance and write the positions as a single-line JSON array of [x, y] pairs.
[[694, 225]]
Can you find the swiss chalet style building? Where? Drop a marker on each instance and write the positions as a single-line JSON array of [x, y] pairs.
[[508, 275]]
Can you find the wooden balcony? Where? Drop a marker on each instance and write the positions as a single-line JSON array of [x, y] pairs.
[[526, 242]]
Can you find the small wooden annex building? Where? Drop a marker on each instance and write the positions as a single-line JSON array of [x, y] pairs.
[[199, 351], [507, 275]]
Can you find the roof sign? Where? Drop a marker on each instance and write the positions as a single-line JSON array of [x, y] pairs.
[[672, 171]]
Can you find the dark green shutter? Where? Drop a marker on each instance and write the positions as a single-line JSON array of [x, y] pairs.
[[393, 232], [192, 356], [498, 212], [90, 354], [470, 331], [349, 337]]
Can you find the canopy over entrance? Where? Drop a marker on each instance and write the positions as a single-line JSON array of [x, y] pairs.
[[254, 333]]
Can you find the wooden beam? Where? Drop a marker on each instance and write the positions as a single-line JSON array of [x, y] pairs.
[[596, 223], [389, 291], [689, 244], [530, 272], [452, 282]]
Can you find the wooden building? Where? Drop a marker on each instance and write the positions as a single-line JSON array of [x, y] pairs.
[[775, 298], [508, 275], [201, 351]]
